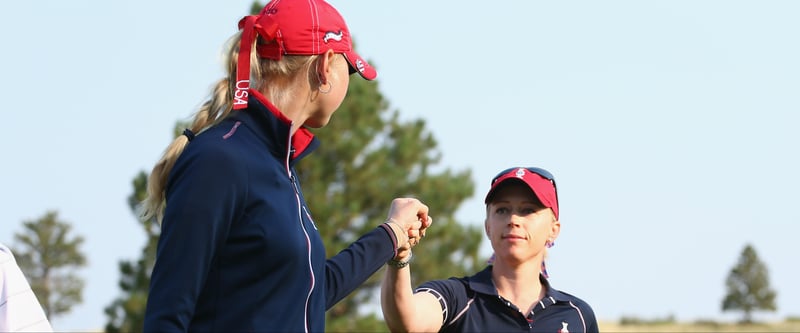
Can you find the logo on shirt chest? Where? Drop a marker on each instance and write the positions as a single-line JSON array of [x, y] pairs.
[[563, 327]]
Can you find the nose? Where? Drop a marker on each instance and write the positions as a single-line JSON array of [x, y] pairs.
[[514, 220]]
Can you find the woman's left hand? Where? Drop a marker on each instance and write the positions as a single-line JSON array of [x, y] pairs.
[[412, 216]]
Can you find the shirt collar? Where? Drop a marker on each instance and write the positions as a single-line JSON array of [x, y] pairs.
[[482, 283], [274, 128]]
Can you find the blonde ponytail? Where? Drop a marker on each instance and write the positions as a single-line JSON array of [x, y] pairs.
[[216, 108]]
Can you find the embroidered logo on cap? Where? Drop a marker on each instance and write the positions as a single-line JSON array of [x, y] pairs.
[[332, 35], [520, 173], [360, 65]]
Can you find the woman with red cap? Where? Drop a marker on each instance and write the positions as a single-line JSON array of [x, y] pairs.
[[512, 294], [239, 249]]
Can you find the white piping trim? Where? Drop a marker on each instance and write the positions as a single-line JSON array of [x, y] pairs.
[[462, 311], [302, 226], [580, 314], [288, 156], [439, 298]]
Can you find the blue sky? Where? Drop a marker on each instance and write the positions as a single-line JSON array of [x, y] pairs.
[[671, 126]]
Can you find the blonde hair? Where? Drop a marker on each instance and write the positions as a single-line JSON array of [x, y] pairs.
[[281, 76]]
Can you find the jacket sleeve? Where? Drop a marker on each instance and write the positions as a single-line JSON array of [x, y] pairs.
[[204, 195], [348, 269]]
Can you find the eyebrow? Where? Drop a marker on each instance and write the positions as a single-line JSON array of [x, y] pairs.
[[534, 202]]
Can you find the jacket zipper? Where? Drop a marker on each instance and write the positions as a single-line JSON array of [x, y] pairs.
[[300, 209]]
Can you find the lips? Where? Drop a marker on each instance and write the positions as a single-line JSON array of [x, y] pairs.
[[513, 237]]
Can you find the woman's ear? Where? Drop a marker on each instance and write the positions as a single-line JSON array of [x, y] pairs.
[[325, 66], [486, 221], [555, 228]]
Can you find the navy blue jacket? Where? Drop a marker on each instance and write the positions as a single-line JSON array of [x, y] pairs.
[[471, 304], [239, 250]]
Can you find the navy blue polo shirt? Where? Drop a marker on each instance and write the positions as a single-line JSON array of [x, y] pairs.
[[471, 304]]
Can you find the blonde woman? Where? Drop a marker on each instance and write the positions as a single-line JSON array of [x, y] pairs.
[[513, 293], [239, 250]]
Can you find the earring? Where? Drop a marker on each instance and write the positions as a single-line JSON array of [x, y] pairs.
[[330, 86], [322, 83], [549, 243]]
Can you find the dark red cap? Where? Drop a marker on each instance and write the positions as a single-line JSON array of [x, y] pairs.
[[296, 27], [538, 180]]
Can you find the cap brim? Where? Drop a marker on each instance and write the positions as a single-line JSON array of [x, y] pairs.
[[501, 183], [541, 188], [360, 66]]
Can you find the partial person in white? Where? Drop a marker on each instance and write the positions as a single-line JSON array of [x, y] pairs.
[[20, 310]]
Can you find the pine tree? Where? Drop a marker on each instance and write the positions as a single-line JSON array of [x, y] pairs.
[[126, 312], [367, 158], [748, 286], [49, 257]]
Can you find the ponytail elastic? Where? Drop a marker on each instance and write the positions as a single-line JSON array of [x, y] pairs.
[[189, 134]]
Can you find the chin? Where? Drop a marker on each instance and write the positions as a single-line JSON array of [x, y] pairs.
[[315, 124]]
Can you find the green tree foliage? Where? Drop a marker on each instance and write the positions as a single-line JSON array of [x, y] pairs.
[[367, 158], [50, 257], [126, 312], [748, 286], [256, 7]]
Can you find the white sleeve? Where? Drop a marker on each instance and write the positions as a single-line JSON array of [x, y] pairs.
[[20, 311]]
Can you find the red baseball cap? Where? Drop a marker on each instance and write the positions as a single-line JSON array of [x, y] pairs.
[[296, 27], [539, 180]]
